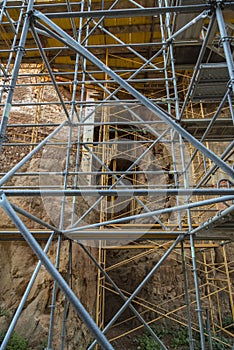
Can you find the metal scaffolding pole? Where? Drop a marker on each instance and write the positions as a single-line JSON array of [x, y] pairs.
[[155, 212], [197, 67], [64, 37], [23, 299], [101, 339], [19, 56], [7, 68], [134, 12], [225, 40], [66, 302], [129, 69], [116, 288], [54, 295], [39, 45], [187, 299], [8, 175], [137, 290]]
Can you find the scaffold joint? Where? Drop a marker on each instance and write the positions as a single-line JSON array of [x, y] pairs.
[[220, 4], [4, 138], [2, 196], [20, 48], [227, 38], [216, 3]]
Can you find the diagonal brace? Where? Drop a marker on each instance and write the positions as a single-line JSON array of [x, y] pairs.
[[166, 117], [140, 286], [118, 290], [81, 311]]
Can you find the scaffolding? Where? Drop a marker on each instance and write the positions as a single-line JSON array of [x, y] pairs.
[[120, 116]]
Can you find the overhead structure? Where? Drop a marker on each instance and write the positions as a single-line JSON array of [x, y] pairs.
[[129, 128]]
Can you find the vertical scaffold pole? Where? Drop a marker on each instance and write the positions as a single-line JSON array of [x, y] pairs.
[[66, 303], [53, 301], [140, 286], [198, 300], [23, 300], [18, 59], [187, 299], [81, 311], [225, 40]]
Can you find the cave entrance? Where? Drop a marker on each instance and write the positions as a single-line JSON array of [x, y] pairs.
[[120, 149], [118, 169]]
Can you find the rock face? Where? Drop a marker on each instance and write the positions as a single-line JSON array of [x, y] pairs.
[[17, 260], [17, 263], [162, 300], [162, 295]]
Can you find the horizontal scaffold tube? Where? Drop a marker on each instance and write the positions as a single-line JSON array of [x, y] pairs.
[[75, 302], [178, 208], [122, 192], [136, 12], [62, 36]]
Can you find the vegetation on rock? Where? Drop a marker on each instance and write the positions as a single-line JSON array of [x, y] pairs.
[[16, 342]]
